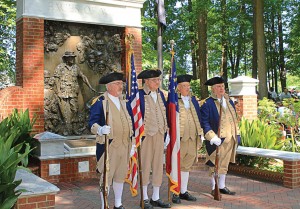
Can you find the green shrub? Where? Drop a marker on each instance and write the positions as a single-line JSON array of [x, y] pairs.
[[267, 111], [290, 119], [22, 121], [14, 148], [258, 134]]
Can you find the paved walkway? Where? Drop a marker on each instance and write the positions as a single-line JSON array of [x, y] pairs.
[[251, 194]]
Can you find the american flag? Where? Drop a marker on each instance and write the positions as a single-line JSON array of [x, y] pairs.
[[134, 100], [173, 149]]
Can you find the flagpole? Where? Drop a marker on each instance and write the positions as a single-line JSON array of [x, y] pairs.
[[159, 47], [172, 43], [161, 21], [130, 39]]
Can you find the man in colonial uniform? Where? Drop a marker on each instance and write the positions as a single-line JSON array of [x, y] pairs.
[[152, 147], [228, 137], [119, 131], [190, 135]]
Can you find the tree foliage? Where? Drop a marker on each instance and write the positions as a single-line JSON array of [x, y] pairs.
[[230, 26], [7, 41], [182, 26]]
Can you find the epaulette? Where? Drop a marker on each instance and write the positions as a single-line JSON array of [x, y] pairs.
[[97, 99], [203, 101]]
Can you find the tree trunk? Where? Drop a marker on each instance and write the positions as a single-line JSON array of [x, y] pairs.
[[261, 56], [192, 42], [254, 52], [240, 43], [273, 56], [202, 38], [281, 54], [224, 43]]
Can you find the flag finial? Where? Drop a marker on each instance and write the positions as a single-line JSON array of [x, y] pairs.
[[172, 43], [129, 39]]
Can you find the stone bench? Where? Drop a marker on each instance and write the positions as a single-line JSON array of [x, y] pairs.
[[40, 193], [291, 162]]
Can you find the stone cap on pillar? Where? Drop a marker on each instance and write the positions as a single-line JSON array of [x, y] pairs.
[[49, 144], [242, 85], [48, 136]]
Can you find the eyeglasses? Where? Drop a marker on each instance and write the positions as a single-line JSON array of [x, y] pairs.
[[155, 79], [185, 86], [117, 82]]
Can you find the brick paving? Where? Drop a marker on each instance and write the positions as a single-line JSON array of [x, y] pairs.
[[251, 194]]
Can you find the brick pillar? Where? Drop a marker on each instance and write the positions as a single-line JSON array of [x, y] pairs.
[[30, 66], [291, 177], [246, 106], [242, 88]]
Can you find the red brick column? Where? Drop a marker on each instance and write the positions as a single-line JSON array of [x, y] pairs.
[[246, 106], [30, 66], [291, 178], [29, 92]]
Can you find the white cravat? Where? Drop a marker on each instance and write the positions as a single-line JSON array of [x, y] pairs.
[[186, 101], [115, 100], [153, 94], [224, 105]]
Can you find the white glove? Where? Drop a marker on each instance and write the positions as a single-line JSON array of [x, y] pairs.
[[202, 138], [167, 141], [103, 130], [215, 140], [283, 133], [132, 151]]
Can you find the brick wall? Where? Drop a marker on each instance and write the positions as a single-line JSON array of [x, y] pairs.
[[246, 107], [10, 98], [68, 169], [33, 202], [28, 92], [291, 178]]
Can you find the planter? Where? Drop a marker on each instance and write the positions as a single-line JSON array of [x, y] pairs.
[[256, 173]]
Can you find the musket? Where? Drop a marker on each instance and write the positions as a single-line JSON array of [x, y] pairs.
[[217, 195], [106, 163]]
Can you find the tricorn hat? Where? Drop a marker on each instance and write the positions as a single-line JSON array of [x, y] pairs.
[[110, 77], [69, 54], [214, 80], [184, 78], [149, 74]]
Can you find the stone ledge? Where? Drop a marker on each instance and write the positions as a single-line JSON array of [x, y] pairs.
[[268, 153], [34, 185]]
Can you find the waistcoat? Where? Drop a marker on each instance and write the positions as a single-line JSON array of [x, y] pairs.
[[228, 123], [155, 116], [189, 122], [119, 125]]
